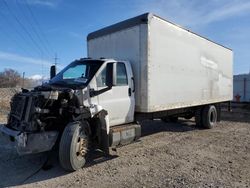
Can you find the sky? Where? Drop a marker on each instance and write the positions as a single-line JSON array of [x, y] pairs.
[[34, 32]]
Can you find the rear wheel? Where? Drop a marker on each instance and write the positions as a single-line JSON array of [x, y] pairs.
[[209, 116], [73, 146]]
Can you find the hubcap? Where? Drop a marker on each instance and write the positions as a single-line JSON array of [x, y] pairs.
[[213, 117]]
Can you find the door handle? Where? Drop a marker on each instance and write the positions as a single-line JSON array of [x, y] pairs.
[[133, 80], [129, 91]]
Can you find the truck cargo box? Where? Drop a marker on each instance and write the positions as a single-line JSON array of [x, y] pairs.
[[173, 67]]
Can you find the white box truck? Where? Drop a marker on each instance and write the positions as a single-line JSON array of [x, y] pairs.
[[141, 68]]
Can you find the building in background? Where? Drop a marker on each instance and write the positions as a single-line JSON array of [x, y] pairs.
[[241, 88]]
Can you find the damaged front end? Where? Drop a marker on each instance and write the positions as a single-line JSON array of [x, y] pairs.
[[38, 117], [27, 143]]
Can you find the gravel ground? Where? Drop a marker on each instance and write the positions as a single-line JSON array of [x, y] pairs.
[[168, 155]]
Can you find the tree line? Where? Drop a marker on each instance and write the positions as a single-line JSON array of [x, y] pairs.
[[11, 78]]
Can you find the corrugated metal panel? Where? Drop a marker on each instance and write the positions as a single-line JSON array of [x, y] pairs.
[[241, 90]]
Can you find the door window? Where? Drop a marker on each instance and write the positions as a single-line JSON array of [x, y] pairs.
[[101, 78], [121, 75]]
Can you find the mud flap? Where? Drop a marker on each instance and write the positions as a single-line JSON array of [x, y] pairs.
[[218, 108], [104, 137]]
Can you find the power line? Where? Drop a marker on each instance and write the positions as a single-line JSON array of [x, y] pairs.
[[14, 40], [32, 23], [38, 25], [17, 31], [56, 59], [34, 30], [23, 27]]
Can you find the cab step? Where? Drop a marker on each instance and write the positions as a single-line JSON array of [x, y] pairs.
[[124, 134]]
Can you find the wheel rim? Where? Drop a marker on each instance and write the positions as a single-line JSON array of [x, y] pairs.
[[81, 146], [213, 117]]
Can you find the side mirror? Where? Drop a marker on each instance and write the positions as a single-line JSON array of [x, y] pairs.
[[109, 75], [52, 71]]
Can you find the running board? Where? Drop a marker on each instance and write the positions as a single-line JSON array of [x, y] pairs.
[[124, 134]]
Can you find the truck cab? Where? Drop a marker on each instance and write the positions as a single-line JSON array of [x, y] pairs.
[[108, 84], [77, 106]]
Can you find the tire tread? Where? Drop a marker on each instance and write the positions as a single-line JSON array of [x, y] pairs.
[[65, 147]]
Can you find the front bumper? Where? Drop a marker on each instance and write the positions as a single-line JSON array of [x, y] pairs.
[[28, 143]]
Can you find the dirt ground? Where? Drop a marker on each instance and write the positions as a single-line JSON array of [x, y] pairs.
[[167, 155]]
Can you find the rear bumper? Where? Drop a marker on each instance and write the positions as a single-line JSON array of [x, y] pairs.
[[28, 143]]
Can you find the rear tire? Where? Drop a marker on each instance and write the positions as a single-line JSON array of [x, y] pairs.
[[73, 146], [209, 116]]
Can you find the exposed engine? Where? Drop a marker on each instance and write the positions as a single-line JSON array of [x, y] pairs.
[[43, 110]]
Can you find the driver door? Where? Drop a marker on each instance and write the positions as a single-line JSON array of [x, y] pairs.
[[119, 100]]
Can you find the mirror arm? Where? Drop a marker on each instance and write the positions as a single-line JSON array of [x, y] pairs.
[[93, 93]]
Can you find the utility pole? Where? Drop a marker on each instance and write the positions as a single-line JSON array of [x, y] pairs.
[[54, 67], [23, 79], [42, 58], [56, 58]]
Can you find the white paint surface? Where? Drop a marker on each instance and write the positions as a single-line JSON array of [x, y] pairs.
[[173, 68]]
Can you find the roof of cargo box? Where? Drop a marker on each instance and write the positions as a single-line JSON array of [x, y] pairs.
[[142, 19]]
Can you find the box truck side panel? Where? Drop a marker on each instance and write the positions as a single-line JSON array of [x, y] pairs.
[[126, 45], [185, 69]]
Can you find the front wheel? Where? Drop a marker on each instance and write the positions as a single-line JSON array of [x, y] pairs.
[[73, 146]]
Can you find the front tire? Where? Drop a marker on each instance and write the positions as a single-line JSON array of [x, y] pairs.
[[73, 146]]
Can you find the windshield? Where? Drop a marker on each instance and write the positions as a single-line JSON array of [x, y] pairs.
[[78, 73]]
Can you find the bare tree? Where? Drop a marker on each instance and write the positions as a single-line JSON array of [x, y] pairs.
[[9, 78]]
